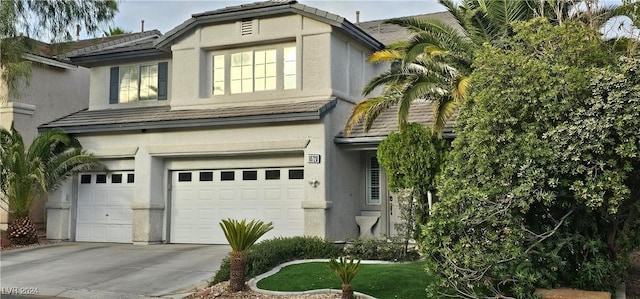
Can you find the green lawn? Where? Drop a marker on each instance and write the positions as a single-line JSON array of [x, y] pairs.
[[406, 280]]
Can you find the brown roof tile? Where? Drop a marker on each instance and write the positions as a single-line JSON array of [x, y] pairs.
[[387, 122], [390, 33], [143, 117]]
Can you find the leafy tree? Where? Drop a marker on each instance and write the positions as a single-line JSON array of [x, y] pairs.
[[241, 236], [53, 19], [412, 158], [346, 269], [541, 186], [436, 62], [28, 174]]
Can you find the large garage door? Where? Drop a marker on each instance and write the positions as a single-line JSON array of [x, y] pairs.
[[104, 207], [201, 199]]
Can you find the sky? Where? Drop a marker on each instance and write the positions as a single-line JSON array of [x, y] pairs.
[[165, 15]]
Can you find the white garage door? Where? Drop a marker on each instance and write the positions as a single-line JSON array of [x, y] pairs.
[[201, 199], [104, 207]]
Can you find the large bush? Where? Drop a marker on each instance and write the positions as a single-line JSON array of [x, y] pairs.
[[267, 254], [383, 250], [411, 159], [542, 183]]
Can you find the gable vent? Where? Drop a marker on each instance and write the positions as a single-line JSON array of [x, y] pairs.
[[246, 28]]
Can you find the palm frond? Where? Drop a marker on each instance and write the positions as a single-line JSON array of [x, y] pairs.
[[386, 55], [444, 108], [346, 269], [68, 163], [367, 111], [393, 76], [242, 234], [27, 174]]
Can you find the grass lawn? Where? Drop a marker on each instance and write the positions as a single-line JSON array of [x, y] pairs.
[[406, 280]]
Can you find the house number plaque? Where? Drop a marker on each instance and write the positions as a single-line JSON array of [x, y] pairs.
[[313, 159]]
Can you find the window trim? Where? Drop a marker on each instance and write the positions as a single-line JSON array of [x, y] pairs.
[[161, 83], [369, 184], [280, 69]]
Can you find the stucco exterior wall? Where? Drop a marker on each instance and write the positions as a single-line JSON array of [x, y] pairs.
[[52, 93], [343, 177], [55, 92]]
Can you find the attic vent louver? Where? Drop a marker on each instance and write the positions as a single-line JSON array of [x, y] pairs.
[[246, 28]]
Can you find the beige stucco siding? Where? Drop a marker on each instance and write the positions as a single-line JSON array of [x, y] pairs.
[[55, 92], [343, 176], [52, 93]]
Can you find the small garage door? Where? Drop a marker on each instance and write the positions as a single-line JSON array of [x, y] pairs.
[[104, 207], [201, 199]]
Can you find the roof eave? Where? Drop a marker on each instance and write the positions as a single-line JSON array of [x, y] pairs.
[[191, 123], [91, 60], [50, 61], [370, 140], [194, 123]]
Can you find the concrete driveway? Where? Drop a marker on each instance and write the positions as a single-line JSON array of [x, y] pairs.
[[101, 270]]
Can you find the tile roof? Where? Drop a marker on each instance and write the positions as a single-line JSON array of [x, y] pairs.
[[387, 122], [118, 43], [245, 7], [390, 33], [165, 117], [268, 8]]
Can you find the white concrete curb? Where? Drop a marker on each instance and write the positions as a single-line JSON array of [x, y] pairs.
[[254, 281]]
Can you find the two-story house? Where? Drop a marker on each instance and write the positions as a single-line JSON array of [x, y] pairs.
[[235, 113]]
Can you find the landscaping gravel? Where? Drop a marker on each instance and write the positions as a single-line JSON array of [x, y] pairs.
[[221, 291]]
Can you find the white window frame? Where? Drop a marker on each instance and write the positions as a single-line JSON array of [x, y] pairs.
[[138, 88], [286, 71], [371, 185]]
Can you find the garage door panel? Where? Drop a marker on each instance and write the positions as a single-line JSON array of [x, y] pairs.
[[90, 233], [272, 194], [104, 207], [92, 214], [228, 194], [249, 194], [119, 233], [119, 215], [100, 197], [238, 194], [206, 195], [295, 193]]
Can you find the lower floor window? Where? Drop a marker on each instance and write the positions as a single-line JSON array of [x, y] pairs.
[[373, 180]]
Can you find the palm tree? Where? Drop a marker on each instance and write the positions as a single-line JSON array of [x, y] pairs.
[[435, 64], [28, 174], [115, 31], [241, 236], [346, 271]]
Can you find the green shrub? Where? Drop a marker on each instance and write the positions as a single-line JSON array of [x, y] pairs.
[[267, 254], [373, 249]]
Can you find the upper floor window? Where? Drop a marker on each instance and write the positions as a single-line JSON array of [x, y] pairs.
[[138, 83], [254, 70]]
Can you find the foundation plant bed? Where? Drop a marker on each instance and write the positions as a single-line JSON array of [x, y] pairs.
[[398, 280]]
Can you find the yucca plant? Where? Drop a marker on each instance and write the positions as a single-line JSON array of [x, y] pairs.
[[346, 269], [241, 236], [26, 175]]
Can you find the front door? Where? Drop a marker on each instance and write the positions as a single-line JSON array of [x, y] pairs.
[[394, 214]]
